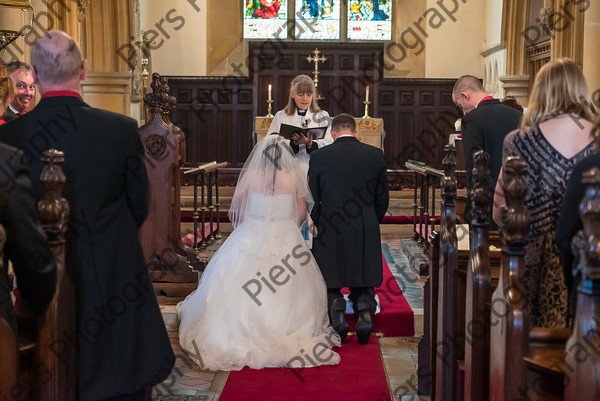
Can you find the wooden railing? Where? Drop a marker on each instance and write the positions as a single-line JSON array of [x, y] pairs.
[[427, 179], [206, 176]]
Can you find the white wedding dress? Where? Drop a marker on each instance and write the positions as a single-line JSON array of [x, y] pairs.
[[261, 302]]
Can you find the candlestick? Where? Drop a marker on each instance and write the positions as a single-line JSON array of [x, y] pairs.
[[269, 92], [270, 112], [367, 96], [367, 103]]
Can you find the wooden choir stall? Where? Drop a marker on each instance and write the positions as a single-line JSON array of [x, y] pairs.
[[477, 343], [169, 259]]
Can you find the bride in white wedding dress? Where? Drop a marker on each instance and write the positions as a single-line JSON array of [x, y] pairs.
[[261, 302]]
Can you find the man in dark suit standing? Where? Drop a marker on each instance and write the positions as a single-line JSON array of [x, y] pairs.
[[26, 245], [122, 343], [485, 123], [348, 181]]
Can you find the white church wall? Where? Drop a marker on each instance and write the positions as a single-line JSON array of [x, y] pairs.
[[178, 30], [456, 39], [493, 23], [494, 53], [495, 65]]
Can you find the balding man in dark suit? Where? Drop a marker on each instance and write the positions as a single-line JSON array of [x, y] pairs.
[[485, 123], [122, 344]]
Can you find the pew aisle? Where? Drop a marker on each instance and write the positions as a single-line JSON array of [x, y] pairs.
[[399, 354]]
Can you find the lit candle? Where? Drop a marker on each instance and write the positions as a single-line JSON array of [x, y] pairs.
[[367, 90], [269, 91]]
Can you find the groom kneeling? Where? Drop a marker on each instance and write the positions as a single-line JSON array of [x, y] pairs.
[[348, 181]]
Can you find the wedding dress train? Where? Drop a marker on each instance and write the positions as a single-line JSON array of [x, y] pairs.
[[261, 302]]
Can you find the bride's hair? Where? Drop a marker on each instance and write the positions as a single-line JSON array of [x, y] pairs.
[[271, 169]]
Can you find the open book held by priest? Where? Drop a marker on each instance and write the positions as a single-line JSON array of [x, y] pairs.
[[287, 130]]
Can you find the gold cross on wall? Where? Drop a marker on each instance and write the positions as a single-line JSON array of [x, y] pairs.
[[316, 59]]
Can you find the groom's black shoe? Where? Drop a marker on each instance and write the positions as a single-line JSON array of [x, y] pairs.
[[338, 318], [364, 326]]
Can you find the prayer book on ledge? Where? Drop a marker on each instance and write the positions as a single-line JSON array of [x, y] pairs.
[[287, 130]]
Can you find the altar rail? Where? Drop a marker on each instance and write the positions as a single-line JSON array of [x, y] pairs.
[[429, 178], [206, 176]]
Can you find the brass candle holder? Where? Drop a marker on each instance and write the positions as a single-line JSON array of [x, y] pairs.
[[367, 103], [145, 75], [270, 112]]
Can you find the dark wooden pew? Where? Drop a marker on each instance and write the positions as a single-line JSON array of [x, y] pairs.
[[582, 360], [478, 287], [523, 363], [462, 337], [538, 363], [526, 363], [509, 326], [445, 373], [8, 345], [32, 367], [427, 356], [466, 277]]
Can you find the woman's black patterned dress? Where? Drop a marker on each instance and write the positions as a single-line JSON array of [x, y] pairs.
[[547, 175]]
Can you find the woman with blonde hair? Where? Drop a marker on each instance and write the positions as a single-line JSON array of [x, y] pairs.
[[302, 111], [7, 92], [555, 134]]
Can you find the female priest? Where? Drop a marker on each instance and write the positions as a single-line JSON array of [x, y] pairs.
[[302, 111]]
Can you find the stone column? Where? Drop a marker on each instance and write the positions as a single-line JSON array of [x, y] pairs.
[[516, 80], [513, 24], [107, 25], [591, 55], [567, 27], [517, 86]]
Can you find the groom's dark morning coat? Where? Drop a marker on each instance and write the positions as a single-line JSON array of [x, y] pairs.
[[348, 181], [122, 341]]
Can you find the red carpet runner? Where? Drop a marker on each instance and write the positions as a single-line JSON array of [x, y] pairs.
[[358, 377], [396, 318]]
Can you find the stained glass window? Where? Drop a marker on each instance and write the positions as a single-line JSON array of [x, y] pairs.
[[317, 19], [265, 19], [370, 19]]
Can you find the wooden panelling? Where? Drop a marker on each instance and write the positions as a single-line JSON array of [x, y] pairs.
[[216, 113]]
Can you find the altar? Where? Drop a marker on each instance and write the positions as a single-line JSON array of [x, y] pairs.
[[370, 130]]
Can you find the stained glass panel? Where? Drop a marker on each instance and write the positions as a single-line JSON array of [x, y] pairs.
[[317, 19], [370, 19], [264, 19]]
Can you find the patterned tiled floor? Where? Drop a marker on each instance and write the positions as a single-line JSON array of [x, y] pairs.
[[189, 382]]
